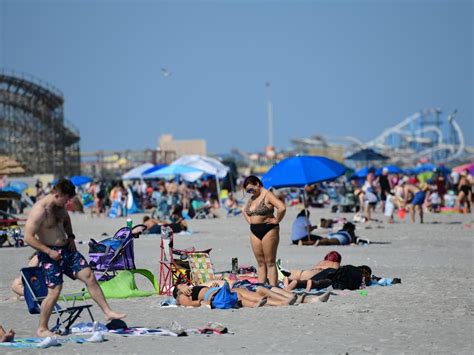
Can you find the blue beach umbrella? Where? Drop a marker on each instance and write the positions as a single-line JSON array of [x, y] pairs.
[[424, 168], [79, 180], [300, 171], [392, 169], [16, 186], [443, 170], [362, 173], [154, 168]]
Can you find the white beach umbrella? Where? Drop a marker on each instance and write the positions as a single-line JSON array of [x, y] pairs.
[[209, 165], [136, 173]]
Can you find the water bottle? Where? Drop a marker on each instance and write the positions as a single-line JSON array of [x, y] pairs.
[[129, 223], [235, 265]]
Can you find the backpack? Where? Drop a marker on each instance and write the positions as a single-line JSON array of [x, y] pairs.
[[347, 277]]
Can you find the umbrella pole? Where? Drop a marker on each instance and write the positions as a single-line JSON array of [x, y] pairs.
[[308, 228], [218, 191]]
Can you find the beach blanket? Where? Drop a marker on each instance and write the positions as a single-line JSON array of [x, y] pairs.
[[175, 330], [140, 331]]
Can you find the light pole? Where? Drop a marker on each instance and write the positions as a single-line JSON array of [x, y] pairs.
[[269, 114]]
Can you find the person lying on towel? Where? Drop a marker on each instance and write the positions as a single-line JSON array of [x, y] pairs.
[[154, 226], [217, 297], [332, 260], [346, 277]]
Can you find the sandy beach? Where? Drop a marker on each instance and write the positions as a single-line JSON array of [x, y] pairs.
[[430, 312]]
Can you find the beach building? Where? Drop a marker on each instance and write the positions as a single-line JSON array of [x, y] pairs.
[[167, 143]]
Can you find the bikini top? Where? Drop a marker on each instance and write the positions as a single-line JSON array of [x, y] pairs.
[[261, 210]]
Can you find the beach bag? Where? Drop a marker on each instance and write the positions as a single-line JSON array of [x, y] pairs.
[[347, 277], [224, 298]]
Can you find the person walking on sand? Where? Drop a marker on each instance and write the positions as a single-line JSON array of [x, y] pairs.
[[48, 230], [264, 227]]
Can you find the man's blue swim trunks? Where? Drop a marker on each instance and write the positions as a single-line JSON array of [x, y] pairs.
[[71, 263], [419, 198]]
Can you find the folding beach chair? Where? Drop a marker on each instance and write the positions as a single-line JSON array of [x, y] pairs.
[[35, 291], [201, 268], [174, 265]]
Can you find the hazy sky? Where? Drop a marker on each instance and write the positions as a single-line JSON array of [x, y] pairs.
[[336, 67]]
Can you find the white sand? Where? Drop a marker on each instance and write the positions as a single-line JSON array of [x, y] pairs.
[[431, 311]]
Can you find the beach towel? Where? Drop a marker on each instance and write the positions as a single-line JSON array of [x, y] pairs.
[[141, 331], [35, 343]]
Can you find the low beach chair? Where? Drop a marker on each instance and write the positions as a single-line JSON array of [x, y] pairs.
[[201, 268], [35, 291]]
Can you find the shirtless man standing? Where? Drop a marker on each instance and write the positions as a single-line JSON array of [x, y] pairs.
[[49, 231], [418, 200]]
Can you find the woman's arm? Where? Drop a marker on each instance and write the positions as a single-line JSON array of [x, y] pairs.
[[280, 206], [247, 218], [187, 302]]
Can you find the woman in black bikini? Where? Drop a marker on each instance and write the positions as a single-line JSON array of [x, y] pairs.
[[264, 225], [464, 196]]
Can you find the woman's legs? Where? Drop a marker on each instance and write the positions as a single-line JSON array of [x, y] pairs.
[[327, 241], [461, 199], [249, 298], [276, 298], [322, 298], [270, 246], [257, 248]]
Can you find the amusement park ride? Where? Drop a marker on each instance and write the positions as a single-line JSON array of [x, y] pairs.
[[428, 135]]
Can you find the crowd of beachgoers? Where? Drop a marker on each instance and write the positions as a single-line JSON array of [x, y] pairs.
[[172, 203]]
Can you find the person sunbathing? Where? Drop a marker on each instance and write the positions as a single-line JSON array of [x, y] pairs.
[[154, 226], [274, 296], [346, 277], [5, 336], [232, 205], [344, 236], [17, 284], [198, 296], [293, 278]]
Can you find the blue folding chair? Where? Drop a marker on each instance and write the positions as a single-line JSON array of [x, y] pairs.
[[35, 291]]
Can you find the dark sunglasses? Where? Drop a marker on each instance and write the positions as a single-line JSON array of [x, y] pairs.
[[250, 191]]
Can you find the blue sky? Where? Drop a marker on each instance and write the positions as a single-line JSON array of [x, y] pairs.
[[336, 67]]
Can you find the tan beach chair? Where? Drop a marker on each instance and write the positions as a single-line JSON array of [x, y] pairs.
[[201, 268]]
